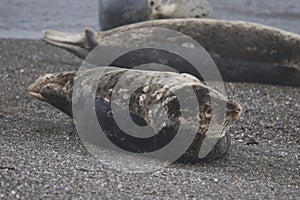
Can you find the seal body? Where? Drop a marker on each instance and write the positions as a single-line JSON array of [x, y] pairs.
[[243, 51], [57, 89], [163, 9]]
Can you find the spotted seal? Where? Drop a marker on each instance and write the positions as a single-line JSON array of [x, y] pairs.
[[56, 89], [115, 13], [163, 9], [243, 51]]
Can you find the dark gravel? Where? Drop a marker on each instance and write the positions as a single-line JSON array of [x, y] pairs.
[[42, 156]]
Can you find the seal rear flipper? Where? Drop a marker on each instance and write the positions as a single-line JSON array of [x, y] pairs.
[[77, 50], [78, 43], [62, 37]]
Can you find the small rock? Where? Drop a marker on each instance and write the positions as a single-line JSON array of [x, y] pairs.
[[251, 141]]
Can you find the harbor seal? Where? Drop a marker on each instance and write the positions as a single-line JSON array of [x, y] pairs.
[[163, 9], [115, 13], [56, 89], [243, 51]]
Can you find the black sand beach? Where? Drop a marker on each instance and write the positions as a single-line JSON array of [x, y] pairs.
[[41, 155]]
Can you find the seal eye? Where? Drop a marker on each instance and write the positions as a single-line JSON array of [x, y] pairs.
[[208, 111], [151, 3]]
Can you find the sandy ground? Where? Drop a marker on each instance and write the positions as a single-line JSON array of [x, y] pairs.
[[41, 155]]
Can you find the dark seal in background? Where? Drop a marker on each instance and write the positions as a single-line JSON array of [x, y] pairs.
[[114, 13]]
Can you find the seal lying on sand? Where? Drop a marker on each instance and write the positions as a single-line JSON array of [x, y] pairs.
[[115, 13], [57, 90], [163, 9], [243, 51]]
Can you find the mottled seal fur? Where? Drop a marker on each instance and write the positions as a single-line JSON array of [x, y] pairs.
[[57, 90], [115, 13], [243, 51], [163, 9]]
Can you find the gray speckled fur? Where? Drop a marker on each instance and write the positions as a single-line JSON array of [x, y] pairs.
[[60, 86], [163, 9], [115, 13], [243, 51]]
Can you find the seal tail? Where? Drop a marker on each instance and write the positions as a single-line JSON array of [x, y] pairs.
[[73, 38], [79, 44]]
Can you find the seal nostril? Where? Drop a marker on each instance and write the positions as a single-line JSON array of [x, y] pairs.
[[238, 109]]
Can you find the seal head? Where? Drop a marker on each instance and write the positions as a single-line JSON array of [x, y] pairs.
[[164, 9]]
